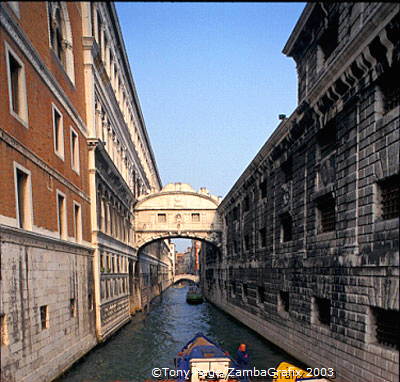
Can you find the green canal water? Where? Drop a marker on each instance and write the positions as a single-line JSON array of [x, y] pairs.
[[152, 341]]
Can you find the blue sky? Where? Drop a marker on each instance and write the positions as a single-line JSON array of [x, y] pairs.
[[211, 80]]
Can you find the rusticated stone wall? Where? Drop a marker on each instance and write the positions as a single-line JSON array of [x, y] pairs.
[[311, 243], [41, 276]]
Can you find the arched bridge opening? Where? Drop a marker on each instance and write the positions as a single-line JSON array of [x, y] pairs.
[[177, 211]]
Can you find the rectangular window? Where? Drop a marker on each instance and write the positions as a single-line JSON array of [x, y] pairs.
[[283, 301], [17, 87], [72, 307], [61, 215], [261, 294], [286, 228], [58, 132], [326, 139], [389, 201], [245, 291], [321, 311], [195, 217], [385, 328], [246, 203], [162, 218], [330, 37], [247, 242], [90, 301], [263, 189], [326, 214], [77, 222], [4, 330], [44, 317], [287, 168], [23, 197], [263, 237], [389, 90], [74, 151]]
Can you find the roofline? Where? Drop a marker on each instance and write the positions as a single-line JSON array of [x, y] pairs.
[[117, 26], [287, 50]]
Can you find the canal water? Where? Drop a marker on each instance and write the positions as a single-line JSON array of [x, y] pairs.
[[152, 341]]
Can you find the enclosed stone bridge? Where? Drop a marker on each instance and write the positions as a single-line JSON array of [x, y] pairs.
[[185, 276], [178, 211]]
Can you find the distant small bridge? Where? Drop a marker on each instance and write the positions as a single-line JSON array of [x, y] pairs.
[[185, 276]]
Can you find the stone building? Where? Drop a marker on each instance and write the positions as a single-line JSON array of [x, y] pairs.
[[310, 254], [122, 168], [47, 295], [74, 158]]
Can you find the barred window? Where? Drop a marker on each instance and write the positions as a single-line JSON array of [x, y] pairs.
[[246, 203], [287, 168], [326, 139], [44, 317], [326, 214], [389, 191], [245, 290], [72, 307], [283, 301], [195, 217], [389, 89], [261, 294], [162, 218], [329, 39], [386, 328], [286, 228], [263, 237], [247, 242], [322, 310], [4, 329], [263, 189]]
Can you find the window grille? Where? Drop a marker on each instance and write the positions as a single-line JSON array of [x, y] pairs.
[[195, 217], [261, 294], [323, 306], [327, 139], [390, 201], [263, 239], [245, 290], [387, 327], [263, 189], [246, 203], [284, 300], [287, 168], [327, 215], [162, 218], [44, 317], [329, 39], [390, 91], [286, 228]]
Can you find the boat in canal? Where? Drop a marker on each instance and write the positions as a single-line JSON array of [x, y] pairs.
[[203, 360], [194, 295]]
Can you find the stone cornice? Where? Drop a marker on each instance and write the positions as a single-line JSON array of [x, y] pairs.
[[109, 102], [11, 141], [298, 28], [23, 43], [151, 196], [120, 45], [351, 51], [34, 239]]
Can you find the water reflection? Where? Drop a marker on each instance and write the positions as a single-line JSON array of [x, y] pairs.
[[153, 341]]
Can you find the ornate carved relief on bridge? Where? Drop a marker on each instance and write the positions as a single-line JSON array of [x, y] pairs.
[[177, 211]]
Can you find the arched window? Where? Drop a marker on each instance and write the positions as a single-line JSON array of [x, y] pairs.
[[60, 35]]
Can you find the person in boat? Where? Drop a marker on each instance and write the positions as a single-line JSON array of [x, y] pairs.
[[242, 357]]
